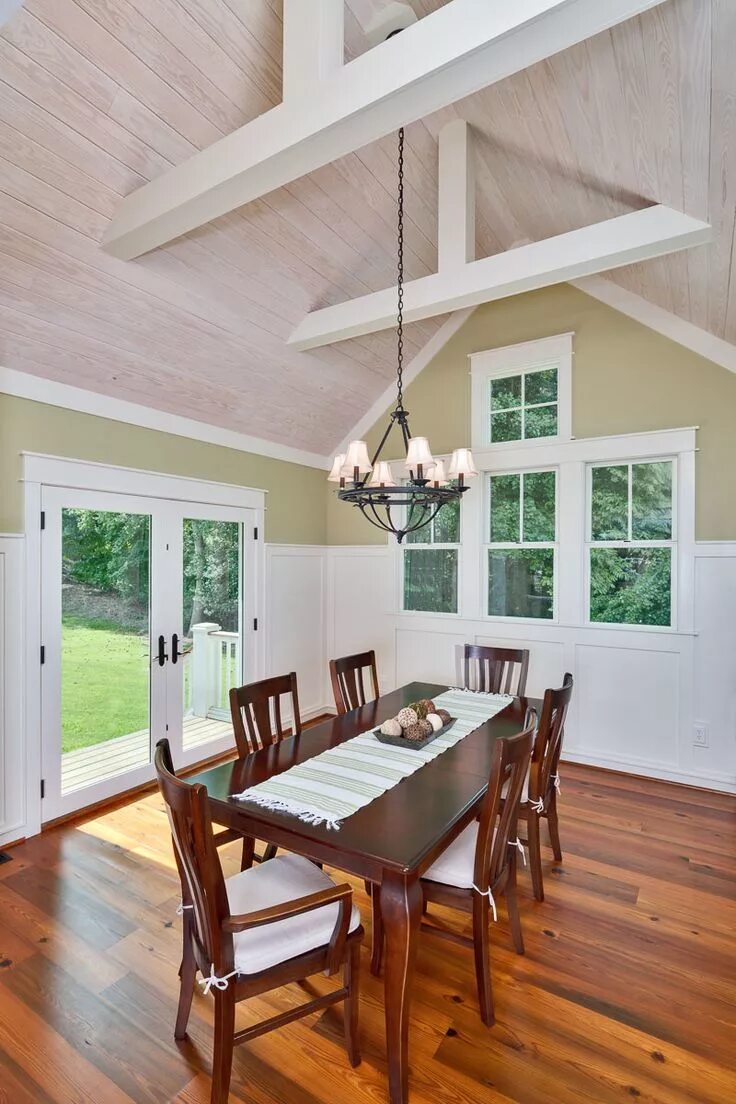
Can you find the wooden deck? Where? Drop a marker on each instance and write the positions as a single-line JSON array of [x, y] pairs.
[[101, 761], [627, 990]]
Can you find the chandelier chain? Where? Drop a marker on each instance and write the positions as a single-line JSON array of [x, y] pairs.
[[400, 273]]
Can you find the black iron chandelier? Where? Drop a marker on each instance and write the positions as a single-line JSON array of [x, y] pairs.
[[392, 505]]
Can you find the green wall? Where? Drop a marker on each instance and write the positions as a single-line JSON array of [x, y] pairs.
[[295, 504], [626, 378]]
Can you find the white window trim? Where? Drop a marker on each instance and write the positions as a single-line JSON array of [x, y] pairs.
[[511, 545], [513, 360], [629, 542]]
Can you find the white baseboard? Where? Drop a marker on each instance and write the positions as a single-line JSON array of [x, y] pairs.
[[722, 783]]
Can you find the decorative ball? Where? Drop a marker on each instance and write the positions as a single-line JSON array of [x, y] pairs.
[[391, 727], [407, 717], [435, 720], [414, 732], [444, 715], [420, 708], [426, 727], [431, 708]]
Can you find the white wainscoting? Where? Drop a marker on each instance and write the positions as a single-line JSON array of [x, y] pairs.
[[638, 693], [12, 785]]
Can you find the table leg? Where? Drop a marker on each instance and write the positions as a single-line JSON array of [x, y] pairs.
[[401, 910]]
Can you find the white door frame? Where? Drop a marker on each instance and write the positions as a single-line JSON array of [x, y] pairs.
[[50, 471]]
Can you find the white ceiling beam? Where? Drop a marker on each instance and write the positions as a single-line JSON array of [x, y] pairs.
[[314, 45], [456, 205], [638, 236], [462, 47]]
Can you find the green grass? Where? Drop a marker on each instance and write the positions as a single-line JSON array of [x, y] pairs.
[[104, 682]]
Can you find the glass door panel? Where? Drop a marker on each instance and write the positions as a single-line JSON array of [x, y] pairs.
[[212, 643], [105, 645]]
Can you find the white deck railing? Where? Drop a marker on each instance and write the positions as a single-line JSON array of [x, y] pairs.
[[213, 666]]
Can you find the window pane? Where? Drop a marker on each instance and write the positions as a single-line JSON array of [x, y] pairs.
[[610, 503], [540, 387], [506, 427], [520, 582], [540, 421], [505, 392], [539, 506], [505, 521], [631, 586], [651, 495], [444, 530], [430, 579]]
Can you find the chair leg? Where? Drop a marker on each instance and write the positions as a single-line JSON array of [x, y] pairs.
[[351, 974], [378, 938], [249, 847], [554, 829], [512, 907], [535, 855], [222, 1059], [270, 852], [482, 952], [188, 975]]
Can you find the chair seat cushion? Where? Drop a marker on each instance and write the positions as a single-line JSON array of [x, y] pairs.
[[279, 880], [455, 865]]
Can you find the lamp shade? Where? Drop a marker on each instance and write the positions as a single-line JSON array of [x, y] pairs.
[[418, 453], [382, 475], [336, 470], [357, 457], [436, 474], [462, 463]]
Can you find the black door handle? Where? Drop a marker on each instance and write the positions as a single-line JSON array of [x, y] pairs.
[[162, 656], [175, 653]]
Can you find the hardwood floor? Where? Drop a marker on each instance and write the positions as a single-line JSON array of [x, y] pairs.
[[627, 989]]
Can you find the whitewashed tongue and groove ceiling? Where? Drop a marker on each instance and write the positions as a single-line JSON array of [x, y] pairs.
[[99, 96]]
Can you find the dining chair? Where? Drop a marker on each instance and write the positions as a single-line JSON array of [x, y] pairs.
[[348, 687], [496, 670], [257, 722], [274, 924], [539, 796], [480, 864]]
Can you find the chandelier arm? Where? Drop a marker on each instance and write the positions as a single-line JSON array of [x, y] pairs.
[[428, 520], [384, 439]]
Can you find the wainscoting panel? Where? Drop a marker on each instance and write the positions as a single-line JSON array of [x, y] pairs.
[[296, 603], [360, 618], [12, 766]]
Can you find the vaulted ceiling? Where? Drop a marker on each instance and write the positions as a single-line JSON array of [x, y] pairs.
[[99, 96]]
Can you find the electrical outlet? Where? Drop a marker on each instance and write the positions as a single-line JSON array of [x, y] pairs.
[[700, 734]]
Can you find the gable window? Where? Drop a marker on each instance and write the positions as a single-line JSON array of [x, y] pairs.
[[430, 564], [631, 543], [523, 406], [521, 548]]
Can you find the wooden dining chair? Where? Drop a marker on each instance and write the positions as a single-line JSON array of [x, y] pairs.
[[263, 928], [480, 864], [257, 722], [496, 670], [348, 687], [539, 797]]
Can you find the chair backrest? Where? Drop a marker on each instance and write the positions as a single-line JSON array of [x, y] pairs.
[[548, 741], [348, 686], [203, 892], [256, 712], [496, 670], [499, 815]]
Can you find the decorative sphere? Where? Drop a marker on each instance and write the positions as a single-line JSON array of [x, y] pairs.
[[407, 717], [420, 708], [435, 720], [431, 708], [391, 727], [444, 715], [426, 727], [415, 732]]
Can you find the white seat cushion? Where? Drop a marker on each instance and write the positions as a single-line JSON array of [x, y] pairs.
[[275, 882], [455, 865]]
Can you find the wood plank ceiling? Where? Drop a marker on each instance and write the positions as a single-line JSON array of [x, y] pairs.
[[98, 96]]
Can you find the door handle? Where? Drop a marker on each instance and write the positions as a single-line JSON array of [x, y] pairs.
[[162, 656], [175, 653]]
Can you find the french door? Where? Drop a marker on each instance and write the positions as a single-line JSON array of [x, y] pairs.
[[148, 617]]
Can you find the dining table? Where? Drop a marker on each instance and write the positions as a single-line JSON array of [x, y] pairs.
[[390, 842]]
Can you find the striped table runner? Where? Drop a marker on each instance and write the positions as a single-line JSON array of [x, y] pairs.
[[336, 783]]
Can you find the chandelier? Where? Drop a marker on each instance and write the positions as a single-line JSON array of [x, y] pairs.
[[400, 506]]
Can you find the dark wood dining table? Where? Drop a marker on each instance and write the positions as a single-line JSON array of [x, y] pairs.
[[390, 842]]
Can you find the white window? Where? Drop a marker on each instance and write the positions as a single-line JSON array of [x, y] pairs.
[[521, 394], [521, 544], [631, 543], [430, 563]]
